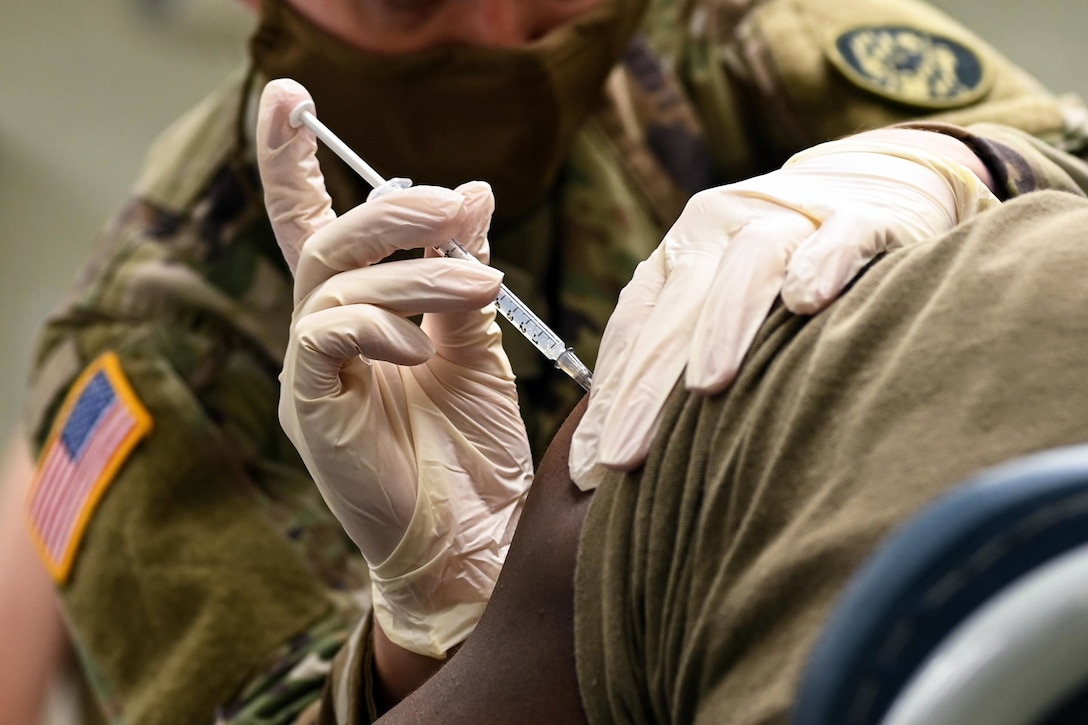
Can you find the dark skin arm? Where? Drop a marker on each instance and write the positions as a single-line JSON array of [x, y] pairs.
[[518, 665]]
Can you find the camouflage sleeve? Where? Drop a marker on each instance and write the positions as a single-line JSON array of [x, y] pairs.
[[1020, 163], [290, 690], [783, 75], [200, 573]]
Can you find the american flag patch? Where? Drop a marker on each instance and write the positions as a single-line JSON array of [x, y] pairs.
[[98, 426]]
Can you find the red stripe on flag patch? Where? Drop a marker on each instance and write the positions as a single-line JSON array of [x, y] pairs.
[[98, 427]]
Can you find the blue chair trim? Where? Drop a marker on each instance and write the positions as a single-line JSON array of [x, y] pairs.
[[932, 572]]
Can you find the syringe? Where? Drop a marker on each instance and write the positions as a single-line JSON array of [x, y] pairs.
[[513, 309]]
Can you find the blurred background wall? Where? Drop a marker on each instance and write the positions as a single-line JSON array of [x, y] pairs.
[[85, 85]]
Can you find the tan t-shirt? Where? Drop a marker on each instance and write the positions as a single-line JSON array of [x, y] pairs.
[[704, 579]]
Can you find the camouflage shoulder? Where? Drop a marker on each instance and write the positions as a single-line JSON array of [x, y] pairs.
[[347, 697], [823, 69], [1019, 162], [183, 159]]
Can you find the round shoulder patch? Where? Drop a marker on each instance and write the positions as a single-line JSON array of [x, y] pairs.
[[911, 66]]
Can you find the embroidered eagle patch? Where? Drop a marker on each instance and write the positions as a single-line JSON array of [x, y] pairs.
[[911, 66], [98, 426]]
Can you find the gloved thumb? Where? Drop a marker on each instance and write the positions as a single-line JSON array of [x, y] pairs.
[[294, 188], [822, 267]]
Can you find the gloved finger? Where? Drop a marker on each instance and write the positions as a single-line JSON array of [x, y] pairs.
[[648, 338], [829, 260], [479, 206], [654, 361], [471, 339], [327, 339], [636, 303], [294, 188], [415, 218], [710, 228], [409, 287], [460, 334], [747, 282]]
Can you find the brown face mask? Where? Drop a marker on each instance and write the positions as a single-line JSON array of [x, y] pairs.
[[449, 115]]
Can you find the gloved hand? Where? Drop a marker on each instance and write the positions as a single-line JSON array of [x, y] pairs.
[[412, 433], [803, 231]]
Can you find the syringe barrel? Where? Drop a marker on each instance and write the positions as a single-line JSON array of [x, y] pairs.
[[517, 312]]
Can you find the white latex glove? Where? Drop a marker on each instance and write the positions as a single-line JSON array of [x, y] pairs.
[[412, 433], [803, 231]]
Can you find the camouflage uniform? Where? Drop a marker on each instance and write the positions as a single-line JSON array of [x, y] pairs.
[[211, 582]]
